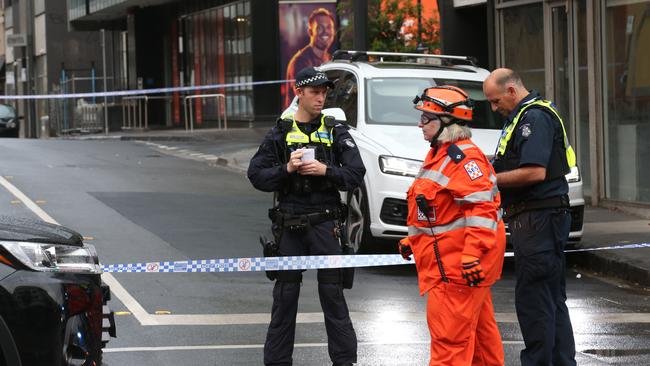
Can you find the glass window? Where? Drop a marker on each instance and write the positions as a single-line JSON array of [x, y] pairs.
[[627, 115], [390, 101], [581, 140], [344, 94], [523, 44]]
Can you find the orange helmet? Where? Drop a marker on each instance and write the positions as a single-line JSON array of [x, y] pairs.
[[445, 100]]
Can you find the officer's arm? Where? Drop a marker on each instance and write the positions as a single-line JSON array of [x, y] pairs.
[[349, 170], [265, 171], [521, 177], [535, 146]]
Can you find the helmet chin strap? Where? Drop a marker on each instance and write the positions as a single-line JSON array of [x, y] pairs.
[[443, 124]]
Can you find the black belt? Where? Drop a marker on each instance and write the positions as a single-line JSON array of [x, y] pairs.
[[553, 202], [301, 221]]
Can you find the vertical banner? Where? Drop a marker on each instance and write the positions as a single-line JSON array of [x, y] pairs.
[[307, 38], [176, 102]]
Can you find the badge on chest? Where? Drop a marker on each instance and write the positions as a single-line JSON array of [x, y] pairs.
[[423, 217]]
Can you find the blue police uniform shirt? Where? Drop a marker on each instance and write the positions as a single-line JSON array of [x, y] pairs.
[[533, 141]]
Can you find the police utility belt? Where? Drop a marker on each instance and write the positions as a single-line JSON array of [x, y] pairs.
[[553, 202], [302, 221]]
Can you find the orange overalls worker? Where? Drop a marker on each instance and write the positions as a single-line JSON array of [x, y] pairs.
[[456, 234]]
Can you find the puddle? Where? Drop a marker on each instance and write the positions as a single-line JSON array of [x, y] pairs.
[[616, 352]]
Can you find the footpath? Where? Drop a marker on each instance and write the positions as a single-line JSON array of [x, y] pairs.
[[603, 227]]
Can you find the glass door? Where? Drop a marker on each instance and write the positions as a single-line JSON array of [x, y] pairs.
[[560, 89]]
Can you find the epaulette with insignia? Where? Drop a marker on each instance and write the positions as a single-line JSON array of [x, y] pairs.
[[455, 153]]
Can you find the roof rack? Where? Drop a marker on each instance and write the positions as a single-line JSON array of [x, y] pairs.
[[356, 55]]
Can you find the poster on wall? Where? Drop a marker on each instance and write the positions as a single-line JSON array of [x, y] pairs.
[[307, 38]]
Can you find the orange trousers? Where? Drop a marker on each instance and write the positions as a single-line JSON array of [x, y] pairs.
[[462, 326]]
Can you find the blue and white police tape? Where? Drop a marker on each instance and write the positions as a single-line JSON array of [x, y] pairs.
[[258, 264], [123, 93]]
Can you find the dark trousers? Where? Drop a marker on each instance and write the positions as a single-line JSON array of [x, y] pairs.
[[539, 238], [341, 339]]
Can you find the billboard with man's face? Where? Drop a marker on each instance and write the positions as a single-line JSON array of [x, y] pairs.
[[307, 38]]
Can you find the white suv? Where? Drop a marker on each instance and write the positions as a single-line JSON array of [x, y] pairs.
[[376, 98]]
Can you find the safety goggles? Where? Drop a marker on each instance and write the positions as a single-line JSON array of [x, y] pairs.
[[425, 118]]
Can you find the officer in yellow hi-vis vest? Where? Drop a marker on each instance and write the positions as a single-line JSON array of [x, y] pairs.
[[531, 161], [307, 159]]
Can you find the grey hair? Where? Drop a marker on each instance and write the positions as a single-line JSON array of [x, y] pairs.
[[455, 132]]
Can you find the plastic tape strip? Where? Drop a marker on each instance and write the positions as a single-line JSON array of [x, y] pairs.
[[122, 93], [257, 264]]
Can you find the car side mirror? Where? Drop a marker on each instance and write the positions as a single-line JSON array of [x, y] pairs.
[[337, 113]]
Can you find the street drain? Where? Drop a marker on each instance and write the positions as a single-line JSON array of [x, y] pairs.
[[617, 352], [152, 156]]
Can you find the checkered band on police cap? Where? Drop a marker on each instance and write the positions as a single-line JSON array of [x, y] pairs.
[[311, 77]]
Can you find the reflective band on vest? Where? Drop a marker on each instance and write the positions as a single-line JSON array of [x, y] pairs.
[[477, 221], [296, 136], [503, 142]]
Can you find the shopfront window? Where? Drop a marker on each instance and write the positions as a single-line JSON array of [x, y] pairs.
[[523, 43], [627, 106], [218, 51], [581, 140]]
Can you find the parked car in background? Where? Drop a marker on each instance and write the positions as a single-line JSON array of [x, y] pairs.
[[375, 98], [53, 305], [8, 121]]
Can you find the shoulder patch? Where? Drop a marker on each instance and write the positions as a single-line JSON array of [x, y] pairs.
[[473, 170], [455, 153], [350, 143], [525, 130]]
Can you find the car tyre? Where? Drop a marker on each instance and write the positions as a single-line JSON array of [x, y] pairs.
[[357, 223]]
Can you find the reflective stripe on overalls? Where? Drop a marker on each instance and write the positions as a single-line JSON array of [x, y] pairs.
[[296, 136], [508, 131]]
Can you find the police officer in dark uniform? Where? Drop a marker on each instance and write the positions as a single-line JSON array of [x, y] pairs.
[[531, 162], [308, 213]]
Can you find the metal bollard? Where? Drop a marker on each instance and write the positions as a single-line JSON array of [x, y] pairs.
[[45, 127]]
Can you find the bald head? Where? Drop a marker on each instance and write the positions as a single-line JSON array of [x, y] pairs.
[[504, 89]]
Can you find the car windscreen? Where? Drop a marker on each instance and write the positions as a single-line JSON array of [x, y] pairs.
[[389, 101], [7, 111]]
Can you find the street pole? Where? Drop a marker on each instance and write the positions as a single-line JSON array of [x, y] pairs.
[[103, 31]]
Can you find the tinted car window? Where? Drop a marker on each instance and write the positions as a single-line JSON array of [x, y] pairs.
[[483, 117], [343, 95], [389, 101], [7, 111]]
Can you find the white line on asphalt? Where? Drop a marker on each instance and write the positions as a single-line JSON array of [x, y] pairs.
[[134, 307], [258, 346], [147, 319]]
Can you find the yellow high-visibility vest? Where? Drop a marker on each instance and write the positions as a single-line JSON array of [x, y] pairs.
[[503, 142], [296, 136]]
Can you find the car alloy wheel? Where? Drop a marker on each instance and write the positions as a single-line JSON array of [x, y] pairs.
[[356, 221]]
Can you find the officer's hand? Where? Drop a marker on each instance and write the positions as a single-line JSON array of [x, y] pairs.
[[294, 161], [312, 167], [404, 247], [472, 270]]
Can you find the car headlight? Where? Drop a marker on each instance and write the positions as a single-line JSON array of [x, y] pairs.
[[47, 257], [574, 175], [399, 166]]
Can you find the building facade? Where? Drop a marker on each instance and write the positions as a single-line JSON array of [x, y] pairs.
[[50, 56], [591, 57]]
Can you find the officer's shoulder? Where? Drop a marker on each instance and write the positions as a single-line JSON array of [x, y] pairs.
[[455, 153], [538, 113]]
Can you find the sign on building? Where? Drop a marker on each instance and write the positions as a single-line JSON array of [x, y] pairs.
[[17, 40]]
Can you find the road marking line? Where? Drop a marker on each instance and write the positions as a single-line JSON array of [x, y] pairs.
[[120, 292], [147, 319], [260, 346]]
